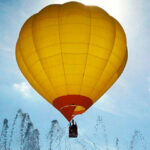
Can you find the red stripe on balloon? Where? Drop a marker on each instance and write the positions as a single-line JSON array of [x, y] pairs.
[[67, 104]]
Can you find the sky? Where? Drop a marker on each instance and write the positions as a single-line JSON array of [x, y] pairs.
[[125, 106]]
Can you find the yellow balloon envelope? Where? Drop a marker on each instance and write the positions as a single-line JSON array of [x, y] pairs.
[[71, 54]]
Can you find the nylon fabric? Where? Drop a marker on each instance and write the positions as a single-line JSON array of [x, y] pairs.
[[71, 49]]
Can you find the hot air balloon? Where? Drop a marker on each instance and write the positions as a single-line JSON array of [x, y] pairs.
[[71, 54]]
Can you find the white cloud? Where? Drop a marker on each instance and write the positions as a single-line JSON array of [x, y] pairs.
[[24, 88], [107, 104], [122, 108]]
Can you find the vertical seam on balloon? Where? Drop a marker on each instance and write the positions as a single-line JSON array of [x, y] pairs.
[[99, 78], [50, 82], [87, 51], [114, 74], [29, 69], [61, 48]]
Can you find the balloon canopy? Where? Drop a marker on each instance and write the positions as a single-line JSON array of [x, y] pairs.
[[71, 54]]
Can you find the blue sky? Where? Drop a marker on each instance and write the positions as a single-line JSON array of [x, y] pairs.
[[125, 107]]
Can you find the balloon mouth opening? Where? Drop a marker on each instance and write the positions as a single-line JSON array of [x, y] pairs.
[[78, 109], [72, 105]]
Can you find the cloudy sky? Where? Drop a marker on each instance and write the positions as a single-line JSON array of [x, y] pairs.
[[124, 108]]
